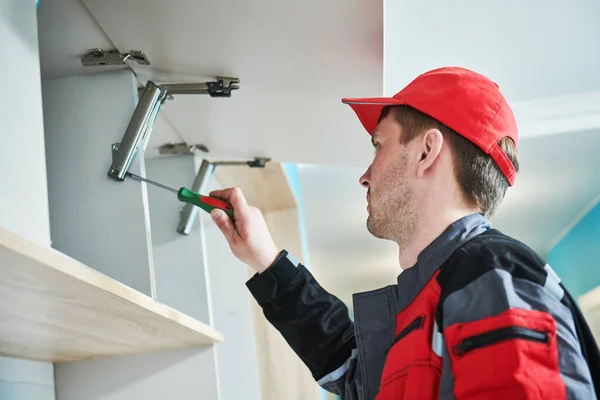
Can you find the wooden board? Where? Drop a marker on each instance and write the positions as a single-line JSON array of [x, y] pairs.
[[590, 300], [54, 308], [590, 307], [266, 188]]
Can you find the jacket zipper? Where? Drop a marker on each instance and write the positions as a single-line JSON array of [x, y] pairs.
[[417, 323], [498, 335]]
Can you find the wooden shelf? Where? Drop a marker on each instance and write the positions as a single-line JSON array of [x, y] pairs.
[[53, 308]]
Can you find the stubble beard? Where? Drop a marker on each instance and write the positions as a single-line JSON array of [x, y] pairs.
[[393, 215]]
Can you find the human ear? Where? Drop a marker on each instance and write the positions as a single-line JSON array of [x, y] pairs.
[[430, 148]]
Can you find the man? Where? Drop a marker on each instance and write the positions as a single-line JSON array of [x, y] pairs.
[[475, 314]]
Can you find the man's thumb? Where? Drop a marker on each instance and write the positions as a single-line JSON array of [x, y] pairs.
[[223, 221]]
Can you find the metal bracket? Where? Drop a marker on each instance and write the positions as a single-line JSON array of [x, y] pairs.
[[145, 114], [222, 87], [178, 149], [100, 57], [142, 88], [258, 162], [138, 131]]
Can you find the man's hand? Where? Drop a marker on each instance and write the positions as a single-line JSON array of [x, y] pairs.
[[247, 234]]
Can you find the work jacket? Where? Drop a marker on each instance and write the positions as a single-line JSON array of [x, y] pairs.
[[480, 316]]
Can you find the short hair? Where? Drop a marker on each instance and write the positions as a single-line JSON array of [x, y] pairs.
[[478, 176]]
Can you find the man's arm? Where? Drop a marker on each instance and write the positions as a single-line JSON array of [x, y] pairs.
[[508, 333], [314, 323]]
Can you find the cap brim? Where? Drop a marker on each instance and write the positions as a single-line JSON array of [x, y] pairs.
[[369, 109]]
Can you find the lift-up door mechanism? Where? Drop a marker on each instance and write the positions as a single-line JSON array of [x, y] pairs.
[[143, 118], [137, 134], [140, 127]]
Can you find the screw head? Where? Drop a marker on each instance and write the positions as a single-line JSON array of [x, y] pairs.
[[114, 171], [115, 147]]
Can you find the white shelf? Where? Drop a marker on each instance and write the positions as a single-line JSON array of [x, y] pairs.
[[53, 308]]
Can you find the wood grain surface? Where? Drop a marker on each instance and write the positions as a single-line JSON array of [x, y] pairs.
[[265, 188], [53, 308]]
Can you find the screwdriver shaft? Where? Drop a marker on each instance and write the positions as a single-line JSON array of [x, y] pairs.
[[159, 185]]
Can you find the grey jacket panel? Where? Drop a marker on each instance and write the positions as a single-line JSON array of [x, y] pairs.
[[374, 318], [412, 280], [493, 274], [359, 376]]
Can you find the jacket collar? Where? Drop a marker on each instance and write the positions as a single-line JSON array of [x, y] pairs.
[[412, 280]]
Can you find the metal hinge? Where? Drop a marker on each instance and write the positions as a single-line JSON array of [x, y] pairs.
[[99, 57], [181, 148], [221, 87]]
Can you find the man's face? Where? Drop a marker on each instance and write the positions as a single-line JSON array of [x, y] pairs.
[[389, 195]]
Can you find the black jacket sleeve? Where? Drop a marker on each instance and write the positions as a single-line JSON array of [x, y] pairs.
[[314, 323]]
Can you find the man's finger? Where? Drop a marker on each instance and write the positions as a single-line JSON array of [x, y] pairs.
[[233, 196], [224, 223], [238, 201], [218, 193]]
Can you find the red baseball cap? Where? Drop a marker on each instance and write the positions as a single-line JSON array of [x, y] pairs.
[[465, 101]]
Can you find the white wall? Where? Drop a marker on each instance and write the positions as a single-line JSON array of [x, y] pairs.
[[531, 49], [23, 188], [173, 374], [26, 380], [23, 205]]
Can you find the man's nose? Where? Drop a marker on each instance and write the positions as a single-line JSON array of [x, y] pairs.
[[364, 179]]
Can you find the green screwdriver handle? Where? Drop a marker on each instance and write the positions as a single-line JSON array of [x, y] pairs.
[[206, 203]]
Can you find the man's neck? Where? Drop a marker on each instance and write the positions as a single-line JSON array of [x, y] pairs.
[[429, 227]]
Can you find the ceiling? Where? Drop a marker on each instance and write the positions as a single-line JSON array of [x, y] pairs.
[[545, 49], [296, 60]]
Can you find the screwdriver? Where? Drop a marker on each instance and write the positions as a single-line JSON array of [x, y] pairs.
[[185, 195]]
